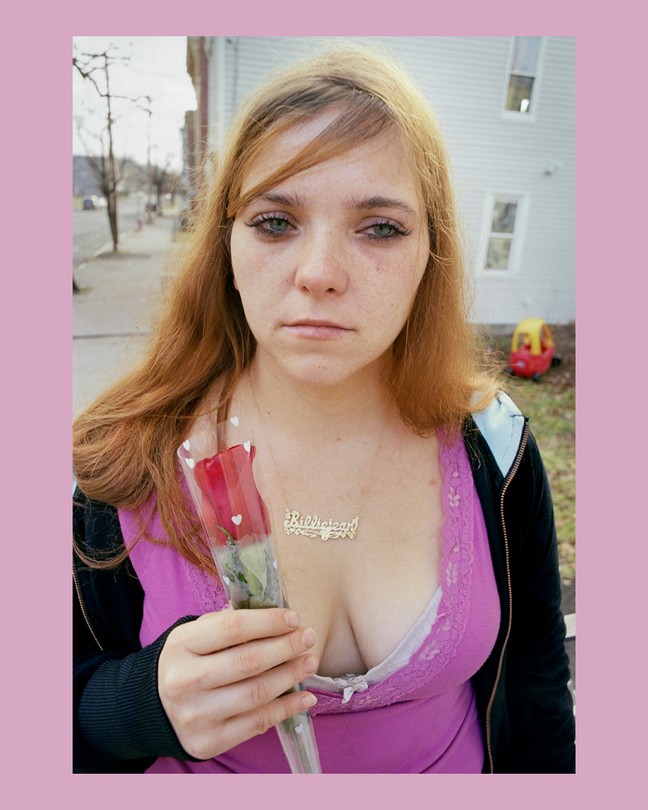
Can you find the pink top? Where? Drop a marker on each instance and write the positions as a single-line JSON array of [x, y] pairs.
[[413, 713]]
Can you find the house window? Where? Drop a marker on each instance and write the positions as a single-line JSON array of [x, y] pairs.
[[521, 91], [506, 215]]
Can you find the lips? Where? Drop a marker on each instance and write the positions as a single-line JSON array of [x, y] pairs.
[[318, 323], [317, 329]]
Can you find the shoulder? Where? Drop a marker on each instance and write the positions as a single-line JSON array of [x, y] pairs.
[[107, 589], [501, 424], [95, 524]]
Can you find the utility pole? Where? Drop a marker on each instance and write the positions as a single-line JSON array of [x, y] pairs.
[[149, 167]]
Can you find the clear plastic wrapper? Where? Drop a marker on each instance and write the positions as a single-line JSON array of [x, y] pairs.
[[236, 521]]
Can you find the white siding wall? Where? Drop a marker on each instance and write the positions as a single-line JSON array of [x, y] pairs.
[[464, 79]]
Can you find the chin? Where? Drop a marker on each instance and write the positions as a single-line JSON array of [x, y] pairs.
[[326, 375]]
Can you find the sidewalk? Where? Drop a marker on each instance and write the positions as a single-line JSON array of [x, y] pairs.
[[113, 312]]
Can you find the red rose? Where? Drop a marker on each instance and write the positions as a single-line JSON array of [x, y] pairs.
[[231, 499]]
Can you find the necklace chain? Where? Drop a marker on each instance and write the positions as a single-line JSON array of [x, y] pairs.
[[295, 523]]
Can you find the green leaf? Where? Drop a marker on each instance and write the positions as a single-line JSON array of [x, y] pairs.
[[253, 558]]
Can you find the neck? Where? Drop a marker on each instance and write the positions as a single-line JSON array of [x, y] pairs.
[[356, 406], [317, 446]]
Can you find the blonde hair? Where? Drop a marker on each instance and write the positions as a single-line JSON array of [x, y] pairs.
[[125, 443]]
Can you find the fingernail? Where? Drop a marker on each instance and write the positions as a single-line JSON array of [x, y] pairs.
[[292, 619], [310, 664], [308, 701], [308, 637]]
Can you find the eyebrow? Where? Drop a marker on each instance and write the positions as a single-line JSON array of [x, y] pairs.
[[376, 201], [384, 202], [281, 199]]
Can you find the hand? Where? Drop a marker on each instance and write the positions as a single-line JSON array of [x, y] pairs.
[[222, 677]]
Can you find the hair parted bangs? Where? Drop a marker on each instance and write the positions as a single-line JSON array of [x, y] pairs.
[[366, 119]]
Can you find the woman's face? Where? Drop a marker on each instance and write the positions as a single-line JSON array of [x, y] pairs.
[[327, 262]]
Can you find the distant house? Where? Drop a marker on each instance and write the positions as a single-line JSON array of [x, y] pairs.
[[84, 180], [507, 107]]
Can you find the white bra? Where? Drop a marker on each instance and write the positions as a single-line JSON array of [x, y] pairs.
[[350, 683]]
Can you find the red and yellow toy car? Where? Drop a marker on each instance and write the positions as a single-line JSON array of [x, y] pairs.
[[533, 350]]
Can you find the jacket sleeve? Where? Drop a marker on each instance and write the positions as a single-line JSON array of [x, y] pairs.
[[119, 723], [540, 708]]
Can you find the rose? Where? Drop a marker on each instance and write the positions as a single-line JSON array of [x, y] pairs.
[[232, 504], [237, 525]]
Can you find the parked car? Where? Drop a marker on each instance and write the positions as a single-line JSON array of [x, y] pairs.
[[94, 201], [533, 350]]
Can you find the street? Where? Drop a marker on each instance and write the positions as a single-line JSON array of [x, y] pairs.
[[91, 231]]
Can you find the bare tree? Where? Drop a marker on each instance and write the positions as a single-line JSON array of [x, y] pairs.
[[95, 68], [165, 181]]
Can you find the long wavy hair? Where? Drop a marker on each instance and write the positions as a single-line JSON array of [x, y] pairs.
[[125, 442]]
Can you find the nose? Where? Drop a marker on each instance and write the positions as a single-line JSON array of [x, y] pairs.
[[321, 266]]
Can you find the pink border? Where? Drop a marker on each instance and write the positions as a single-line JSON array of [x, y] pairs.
[[37, 126]]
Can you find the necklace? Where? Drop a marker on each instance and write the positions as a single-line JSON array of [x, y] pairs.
[[312, 525]]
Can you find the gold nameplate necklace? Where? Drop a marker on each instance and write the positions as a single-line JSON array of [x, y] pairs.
[[312, 525]]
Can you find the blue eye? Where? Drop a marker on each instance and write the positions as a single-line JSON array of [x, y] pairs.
[[385, 230], [271, 225]]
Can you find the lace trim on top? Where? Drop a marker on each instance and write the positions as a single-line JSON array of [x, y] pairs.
[[349, 684], [443, 623], [207, 588]]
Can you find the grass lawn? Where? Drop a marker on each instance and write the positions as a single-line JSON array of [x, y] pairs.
[[550, 406]]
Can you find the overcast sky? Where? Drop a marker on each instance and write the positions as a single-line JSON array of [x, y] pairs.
[[156, 67]]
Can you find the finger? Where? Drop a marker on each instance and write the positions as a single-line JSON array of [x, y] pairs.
[[257, 721], [227, 628], [257, 692], [244, 661]]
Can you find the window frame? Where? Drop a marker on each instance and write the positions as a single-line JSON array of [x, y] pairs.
[[518, 115], [518, 235]]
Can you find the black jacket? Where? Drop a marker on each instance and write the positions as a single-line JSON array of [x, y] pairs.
[[524, 704]]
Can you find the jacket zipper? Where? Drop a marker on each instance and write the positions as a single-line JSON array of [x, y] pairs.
[[511, 475], [83, 606]]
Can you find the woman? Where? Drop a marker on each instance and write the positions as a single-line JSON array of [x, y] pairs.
[[322, 302]]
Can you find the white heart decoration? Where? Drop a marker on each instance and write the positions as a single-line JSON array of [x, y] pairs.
[[185, 444], [191, 463], [235, 421], [299, 728], [226, 580], [247, 446], [236, 519]]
